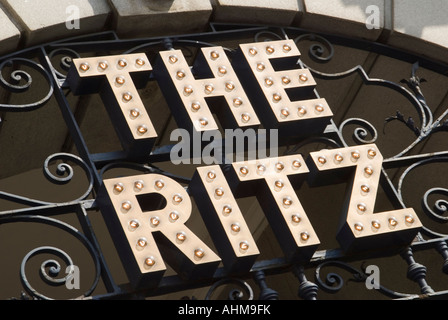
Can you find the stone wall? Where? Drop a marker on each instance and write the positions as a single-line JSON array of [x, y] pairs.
[[413, 25]]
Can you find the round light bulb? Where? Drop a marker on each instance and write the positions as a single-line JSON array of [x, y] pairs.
[[195, 106], [203, 122], [279, 166], [237, 102], [155, 221], [211, 175], [103, 65], [126, 205], [301, 111], [118, 187], [368, 171], [122, 63], [276, 97], [296, 164], [127, 96], [322, 160], [199, 253], [269, 82], [253, 51], [159, 184], [222, 70], [393, 222], [338, 158], [120, 80], [362, 207], [142, 243], [142, 129], [279, 184], [409, 219], [177, 198], [230, 86], [188, 90], [209, 89], [174, 216], [135, 113], [305, 236], [181, 236], [359, 227], [140, 62], [284, 113], [356, 155], [180, 74], [150, 262], [376, 224], [303, 78], [84, 66], [214, 55], [244, 171], [261, 67], [295, 218], [173, 59], [286, 47], [371, 153], [365, 189], [139, 185], [244, 245], [235, 227], [226, 210], [219, 192], [319, 108], [134, 224], [245, 117], [287, 202], [270, 49], [286, 80]]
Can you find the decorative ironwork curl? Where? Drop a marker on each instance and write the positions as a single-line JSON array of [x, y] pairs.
[[65, 61], [317, 51], [333, 282], [360, 134], [53, 264], [21, 75], [441, 205], [62, 169], [234, 294], [269, 33]]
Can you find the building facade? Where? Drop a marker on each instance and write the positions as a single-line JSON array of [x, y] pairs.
[[95, 92]]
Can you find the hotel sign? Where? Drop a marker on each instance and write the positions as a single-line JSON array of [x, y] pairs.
[[261, 86]]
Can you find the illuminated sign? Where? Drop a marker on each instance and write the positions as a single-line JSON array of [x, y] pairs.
[[262, 86]]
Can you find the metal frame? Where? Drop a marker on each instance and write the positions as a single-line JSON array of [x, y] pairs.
[[40, 59]]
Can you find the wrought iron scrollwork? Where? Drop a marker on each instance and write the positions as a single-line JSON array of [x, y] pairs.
[[15, 84], [245, 289], [52, 265], [334, 282], [67, 56], [64, 174], [317, 50]]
